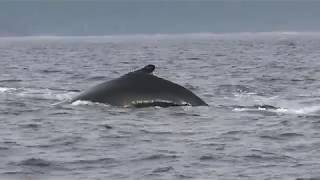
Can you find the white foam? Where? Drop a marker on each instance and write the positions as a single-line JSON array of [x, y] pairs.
[[298, 111], [87, 103], [6, 89], [38, 93], [245, 95], [305, 110], [45, 94], [80, 102], [254, 98], [281, 110], [241, 109], [65, 96]]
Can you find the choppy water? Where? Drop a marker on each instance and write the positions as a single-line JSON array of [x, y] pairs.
[[263, 121]]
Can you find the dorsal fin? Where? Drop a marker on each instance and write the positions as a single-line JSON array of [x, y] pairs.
[[147, 69]]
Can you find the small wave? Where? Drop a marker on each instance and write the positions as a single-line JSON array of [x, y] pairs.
[[185, 113], [235, 132], [208, 158], [96, 78], [4, 148], [163, 169], [10, 80], [34, 162], [155, 132], [94, 161], [271, 137], [268, 157], [158, 157], [193, 58], [31, 126], [67, 140], [106, 126], [48, 71], [290, 135], [281, 136]]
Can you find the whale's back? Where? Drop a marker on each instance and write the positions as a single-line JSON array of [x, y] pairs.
[[140, 90]]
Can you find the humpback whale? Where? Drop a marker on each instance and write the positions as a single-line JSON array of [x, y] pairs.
[[141, 88]]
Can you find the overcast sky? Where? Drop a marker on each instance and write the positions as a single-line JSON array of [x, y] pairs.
[[140, 17]]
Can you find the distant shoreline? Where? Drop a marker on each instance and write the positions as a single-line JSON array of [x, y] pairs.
[[143, 35]]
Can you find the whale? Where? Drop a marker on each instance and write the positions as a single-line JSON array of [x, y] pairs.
[[140, 88]]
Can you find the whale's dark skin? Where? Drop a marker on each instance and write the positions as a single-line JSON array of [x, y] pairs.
[[141, 89]]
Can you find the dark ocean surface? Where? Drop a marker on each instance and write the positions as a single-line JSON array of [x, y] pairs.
[[263, 121]]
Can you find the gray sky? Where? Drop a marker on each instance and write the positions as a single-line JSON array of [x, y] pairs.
[[145, 17]]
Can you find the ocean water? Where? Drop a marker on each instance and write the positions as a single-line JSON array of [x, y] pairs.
[[263, 121]]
